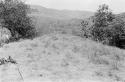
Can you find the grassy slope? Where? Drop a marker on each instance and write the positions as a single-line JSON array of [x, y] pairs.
[[63, 58], [46, 25]]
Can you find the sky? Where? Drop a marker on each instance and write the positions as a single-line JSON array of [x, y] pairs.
[[116, 6]]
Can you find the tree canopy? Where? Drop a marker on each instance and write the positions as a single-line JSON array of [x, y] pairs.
[[14, 16]]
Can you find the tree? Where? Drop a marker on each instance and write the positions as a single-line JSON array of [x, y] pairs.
[[105, 27], [14, 16], [103, 17]]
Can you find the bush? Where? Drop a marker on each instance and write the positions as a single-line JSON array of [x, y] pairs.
[[14, 16], [103, 17], [87, 27], [106, 27]]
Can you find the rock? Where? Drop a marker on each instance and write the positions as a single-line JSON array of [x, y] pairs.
[[5, 35]]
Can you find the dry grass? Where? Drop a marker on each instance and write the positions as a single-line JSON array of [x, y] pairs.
[[65, 58]]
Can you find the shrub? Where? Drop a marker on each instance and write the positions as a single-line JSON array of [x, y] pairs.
[[106, 27], [87, 27], [103, 17], [14, 16]]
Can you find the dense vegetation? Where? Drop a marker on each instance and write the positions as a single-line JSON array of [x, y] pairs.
[[14, 16], [105, 27]]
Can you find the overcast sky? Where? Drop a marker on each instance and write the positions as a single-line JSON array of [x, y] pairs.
[[89, 5]]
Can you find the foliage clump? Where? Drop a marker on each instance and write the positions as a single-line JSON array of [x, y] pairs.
[[14, 16], [105, 27]]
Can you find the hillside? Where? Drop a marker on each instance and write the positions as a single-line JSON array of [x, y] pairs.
[[48, 20], [122, 16], [62, 58]]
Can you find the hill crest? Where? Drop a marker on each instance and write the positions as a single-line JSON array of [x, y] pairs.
[[62, 14]]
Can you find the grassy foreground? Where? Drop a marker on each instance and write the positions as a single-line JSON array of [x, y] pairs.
[[62, 58]]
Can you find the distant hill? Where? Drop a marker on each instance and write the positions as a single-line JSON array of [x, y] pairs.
[[60, 14]]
